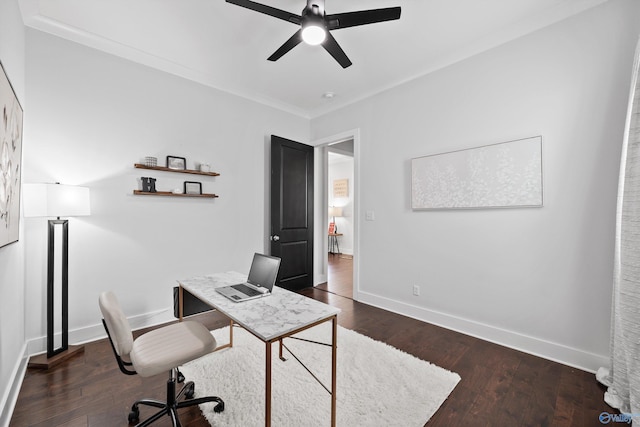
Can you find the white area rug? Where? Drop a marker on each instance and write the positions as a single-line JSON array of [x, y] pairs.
[[378, 385]]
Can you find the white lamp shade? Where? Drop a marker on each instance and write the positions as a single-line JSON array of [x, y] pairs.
[[56, 200], [335, 211]]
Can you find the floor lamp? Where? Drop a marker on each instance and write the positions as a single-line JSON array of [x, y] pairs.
[[56, 200]]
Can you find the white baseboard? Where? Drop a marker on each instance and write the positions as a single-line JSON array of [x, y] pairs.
[[321, 278], [560, 353], [12, 389]]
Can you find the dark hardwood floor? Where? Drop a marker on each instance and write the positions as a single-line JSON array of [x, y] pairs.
[[339, 275], [499, 386]]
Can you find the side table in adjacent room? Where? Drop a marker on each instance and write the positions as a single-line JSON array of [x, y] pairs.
[[333, 243]]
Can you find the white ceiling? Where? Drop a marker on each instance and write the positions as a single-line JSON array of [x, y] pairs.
[[226, 47]]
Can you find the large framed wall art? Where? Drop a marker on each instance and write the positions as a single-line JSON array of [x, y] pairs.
[[10, 161], [503, 175]]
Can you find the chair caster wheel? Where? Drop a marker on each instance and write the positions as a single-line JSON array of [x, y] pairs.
[[218, 408], [189, 392], [134, 416]]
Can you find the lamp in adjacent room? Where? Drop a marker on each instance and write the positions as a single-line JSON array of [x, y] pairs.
[[335, 211], [57, 201]]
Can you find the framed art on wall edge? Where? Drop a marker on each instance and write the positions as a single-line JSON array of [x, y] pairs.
[[10, 161]]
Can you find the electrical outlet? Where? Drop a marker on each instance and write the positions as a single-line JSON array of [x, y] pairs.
[[416, 290]]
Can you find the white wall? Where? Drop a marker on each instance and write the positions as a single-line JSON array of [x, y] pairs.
[[12, 362], [535, 279], [92, 117]]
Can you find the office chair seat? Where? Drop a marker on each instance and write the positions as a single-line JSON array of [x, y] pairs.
[[162, 349]]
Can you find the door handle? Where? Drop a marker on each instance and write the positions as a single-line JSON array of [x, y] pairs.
[[275, 238]]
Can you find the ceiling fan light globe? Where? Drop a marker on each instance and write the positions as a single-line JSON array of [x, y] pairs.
[[313, 35]]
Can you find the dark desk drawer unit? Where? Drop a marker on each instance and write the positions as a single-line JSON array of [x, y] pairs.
[[192, 305]]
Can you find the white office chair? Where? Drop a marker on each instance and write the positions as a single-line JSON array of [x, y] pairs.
[[159, 350]]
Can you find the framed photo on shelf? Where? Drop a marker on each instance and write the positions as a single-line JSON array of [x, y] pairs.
[[192, 187], [174, 162]]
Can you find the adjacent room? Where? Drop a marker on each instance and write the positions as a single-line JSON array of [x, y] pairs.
[[448, 186]]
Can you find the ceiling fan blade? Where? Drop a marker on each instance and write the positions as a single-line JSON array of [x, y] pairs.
[[331, 45], [287, 46], [268, 10], [363, 17]]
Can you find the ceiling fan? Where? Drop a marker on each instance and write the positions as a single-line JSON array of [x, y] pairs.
[[315, 25]]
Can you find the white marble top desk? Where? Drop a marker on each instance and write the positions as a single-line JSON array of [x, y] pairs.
[[269, 317]]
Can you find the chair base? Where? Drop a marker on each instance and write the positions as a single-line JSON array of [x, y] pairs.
[[171, 406]]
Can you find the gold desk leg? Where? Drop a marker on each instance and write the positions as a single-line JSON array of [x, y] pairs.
[[230, 333], [334, 357], [267, 404]]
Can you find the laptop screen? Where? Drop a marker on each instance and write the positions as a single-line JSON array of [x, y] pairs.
[[264, 270]]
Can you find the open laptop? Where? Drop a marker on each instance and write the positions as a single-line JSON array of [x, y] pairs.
[[262, 277]]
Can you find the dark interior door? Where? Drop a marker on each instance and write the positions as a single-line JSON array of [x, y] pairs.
[[292, 211]]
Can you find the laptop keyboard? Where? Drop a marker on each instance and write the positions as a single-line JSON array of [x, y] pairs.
[[247, 290]]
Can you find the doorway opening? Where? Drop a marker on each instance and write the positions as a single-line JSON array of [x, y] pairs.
[[340, 197]]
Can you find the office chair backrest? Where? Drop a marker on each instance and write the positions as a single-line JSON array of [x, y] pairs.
[[117, 324]]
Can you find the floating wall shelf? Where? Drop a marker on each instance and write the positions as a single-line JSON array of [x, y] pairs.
[[169, 193], [162, 168]]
